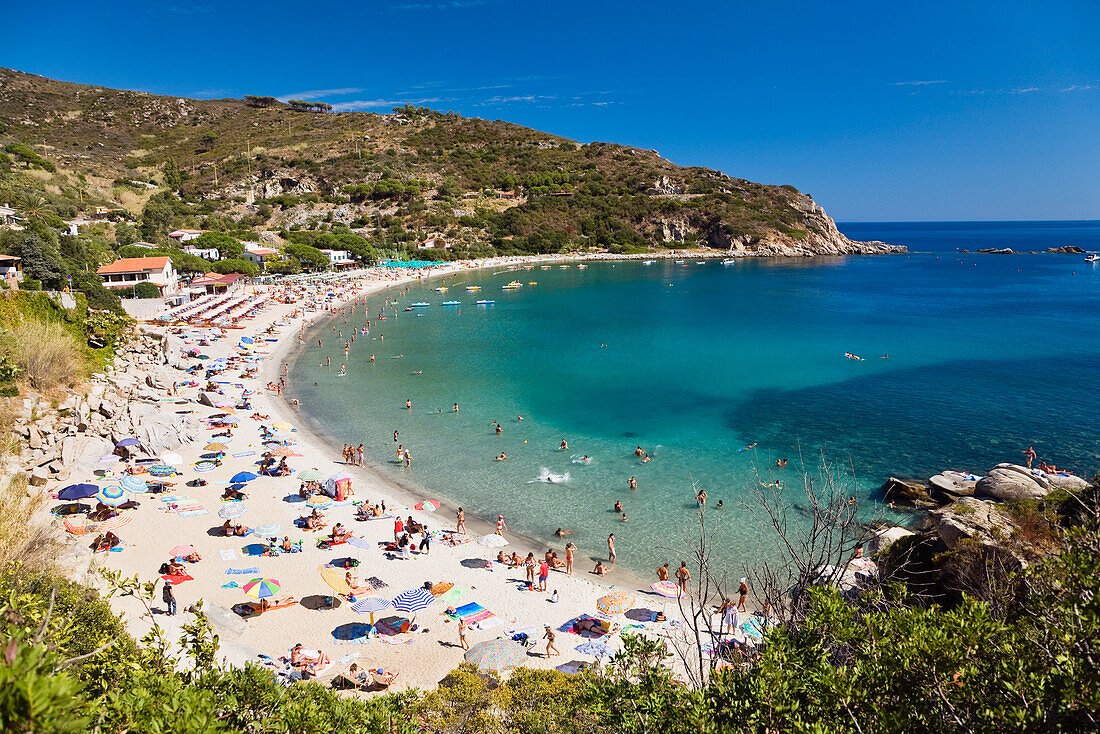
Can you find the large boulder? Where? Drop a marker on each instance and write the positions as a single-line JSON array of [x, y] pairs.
[[949, 486], [974, 519], [902, 492], [1010, 482], [884, 538]]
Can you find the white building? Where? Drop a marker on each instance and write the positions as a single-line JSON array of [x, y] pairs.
[[208, 253], [339, 259], [183, 235], [127, 272]]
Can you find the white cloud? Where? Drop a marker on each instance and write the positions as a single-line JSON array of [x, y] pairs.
[[367, 104], [1081, 87], [1025, 90], [313, 94], [918, 83]]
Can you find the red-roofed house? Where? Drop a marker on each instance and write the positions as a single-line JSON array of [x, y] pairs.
[[258, 253], [127, 272], [216, 283], [182, 235]]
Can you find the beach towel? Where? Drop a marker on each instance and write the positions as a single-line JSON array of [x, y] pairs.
[[193, 512], [242, 570], [466, 610], [175, 498], [228, 554], [177, 578], [243, 454], [376, 582], [359, 543], [452, 595], [74, 529], [231, 585]]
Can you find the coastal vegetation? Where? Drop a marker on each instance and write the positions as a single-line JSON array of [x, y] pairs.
[[1018, 656], [132, 167]]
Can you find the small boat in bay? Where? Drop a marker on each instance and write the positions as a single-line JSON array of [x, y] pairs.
[[486, 303], [451, 303]]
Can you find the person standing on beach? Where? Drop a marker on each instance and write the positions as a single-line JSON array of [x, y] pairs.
[[569, 550], [611, 547], [461, 526], [360, 451], [662, 573], [462, 634], [549, 637], [742, 592], [544, 575], [682, 576], [529, 566], [501, 527], [398, 528], [169, 599]]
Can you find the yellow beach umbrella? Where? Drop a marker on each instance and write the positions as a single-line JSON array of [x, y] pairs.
[[282, 426], [335, 579]]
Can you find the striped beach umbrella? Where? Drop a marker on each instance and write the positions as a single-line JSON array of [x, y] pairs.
[[205, 466], [311, 475], [319, 501], [427, 506], [232, 510], [161, 470], [216, 446], [335, 580], [496, 655], [413, 600], [113, 495], [114, 523], [242, 477], [133, 483], [493, 540], [370, 605], [267, 530], [262, 588], [666, 588], [616, 602]]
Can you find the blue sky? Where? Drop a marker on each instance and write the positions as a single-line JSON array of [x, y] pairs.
[[881, 111]]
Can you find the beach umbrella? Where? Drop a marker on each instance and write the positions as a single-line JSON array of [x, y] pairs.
[[283, 451], [134, 483], [413, 600], [171, 459], [112, 495], [262, 588], [335, 580], [128, 442], [616, 602], [205, 466], [370, 605], [232, 510], [666, 588], [339, 477], [360, 543], [427, 506], [493, 540], [161, 470], [753, 628], [247, 340], [182, 551], [267, 530], [496, 655], [282, 426], [77, 491], [216, 446], [319, 501], [353, 632], [114, 523], [242, 477]]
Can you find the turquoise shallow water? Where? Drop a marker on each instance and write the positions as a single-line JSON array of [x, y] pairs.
[[986, 355]]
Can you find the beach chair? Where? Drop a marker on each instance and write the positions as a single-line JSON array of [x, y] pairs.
[[384, 678]]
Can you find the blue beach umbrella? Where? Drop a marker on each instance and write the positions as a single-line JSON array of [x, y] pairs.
[[134, 483], [161, 470], [245, 476], [77, 491], [128, 442], [112, 495], [247, 340], [413, 600], [370, 605]]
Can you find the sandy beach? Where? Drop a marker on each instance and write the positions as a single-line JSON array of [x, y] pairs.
[[186, 514]]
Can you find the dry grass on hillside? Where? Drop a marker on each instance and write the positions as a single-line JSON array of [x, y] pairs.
[[48, 355], [22, 538]]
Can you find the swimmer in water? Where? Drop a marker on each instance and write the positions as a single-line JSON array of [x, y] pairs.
[[455, 408], [720, 505], [639, 452], [632, 483], [562, 533], [645, 458], [618, 506], [502, 457], [499, 429], [408, 403], [519, 417], [780, 462], [585, 459], [564, 445], [343, 370]]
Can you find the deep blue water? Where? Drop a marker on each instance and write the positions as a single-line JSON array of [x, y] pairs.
[[986, 355]]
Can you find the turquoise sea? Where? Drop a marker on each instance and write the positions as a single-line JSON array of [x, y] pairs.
[[986, 355]]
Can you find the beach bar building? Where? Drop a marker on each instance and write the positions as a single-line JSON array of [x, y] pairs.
[[127, 272], [11, 270]]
